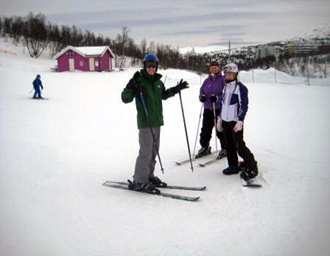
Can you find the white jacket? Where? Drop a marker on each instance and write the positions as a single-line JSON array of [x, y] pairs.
[[235, 102]]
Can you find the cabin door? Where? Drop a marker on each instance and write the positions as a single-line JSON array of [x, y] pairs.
[[71, 64], [91, 64]]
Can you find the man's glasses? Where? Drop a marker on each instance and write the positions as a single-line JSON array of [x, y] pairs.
[[151, 65]]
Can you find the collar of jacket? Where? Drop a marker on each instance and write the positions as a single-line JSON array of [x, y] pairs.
[[232, 82], [215, 77], [155, 77]]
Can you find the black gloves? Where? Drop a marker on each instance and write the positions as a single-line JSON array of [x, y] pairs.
[[202, 98], [180, 86], [133, 83], [213, 98]]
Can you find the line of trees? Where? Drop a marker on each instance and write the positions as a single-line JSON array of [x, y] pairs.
[[38, 33]]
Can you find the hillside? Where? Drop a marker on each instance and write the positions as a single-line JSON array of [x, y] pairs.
[[307, 55], [321, 33]]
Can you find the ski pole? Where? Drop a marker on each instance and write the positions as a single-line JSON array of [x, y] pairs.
[[165, 79], [185, 128], [199, 121], [215, 127], [152, 133]]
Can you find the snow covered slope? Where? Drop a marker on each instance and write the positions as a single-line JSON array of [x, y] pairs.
[[321, 32], [55, 154]]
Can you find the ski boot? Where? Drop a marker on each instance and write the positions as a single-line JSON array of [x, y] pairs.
[[203, 152], [248, 173], [222, 154], [231, 170], [146, 187], [157, 182]]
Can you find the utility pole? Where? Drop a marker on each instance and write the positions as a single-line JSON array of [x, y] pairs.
[[229, 53], [277, 55]]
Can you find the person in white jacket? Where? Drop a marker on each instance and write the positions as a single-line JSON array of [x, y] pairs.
[[233, 110]]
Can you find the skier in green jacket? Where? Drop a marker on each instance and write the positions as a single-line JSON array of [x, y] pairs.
[[148, 91]]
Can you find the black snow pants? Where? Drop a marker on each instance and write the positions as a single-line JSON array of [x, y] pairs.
[[206, 132], [236, 145]]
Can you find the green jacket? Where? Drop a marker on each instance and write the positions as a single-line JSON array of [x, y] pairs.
[[154, 92]]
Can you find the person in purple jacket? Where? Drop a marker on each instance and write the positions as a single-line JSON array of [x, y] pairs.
[[233, 110], [211, 96]]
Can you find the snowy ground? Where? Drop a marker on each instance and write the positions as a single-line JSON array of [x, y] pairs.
[[55, 154]]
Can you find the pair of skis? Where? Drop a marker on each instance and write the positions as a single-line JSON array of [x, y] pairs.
[[39, 98], [245, 183], [200, 164], [209, 162], [124, 185]]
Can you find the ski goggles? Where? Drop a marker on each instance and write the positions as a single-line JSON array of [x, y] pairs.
[[214, 64], [151, 64], [229, 69]]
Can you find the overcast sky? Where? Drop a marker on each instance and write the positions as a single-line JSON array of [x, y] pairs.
[[183, 23]]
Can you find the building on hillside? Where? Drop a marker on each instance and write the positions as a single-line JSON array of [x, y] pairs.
[[268, 50], [265, 51], [301, 49], [289, 49], [94, 58]]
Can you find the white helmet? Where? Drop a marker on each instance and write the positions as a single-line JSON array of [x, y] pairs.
[[231, 68]]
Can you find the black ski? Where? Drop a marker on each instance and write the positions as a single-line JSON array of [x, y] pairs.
[[210, 161], [168, 186], [185, 161], [194, 159], [250, 183], [39, 98], [174, 196]]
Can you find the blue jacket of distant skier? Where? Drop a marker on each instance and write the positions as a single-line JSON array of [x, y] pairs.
[[235, 102], [213, 85], [37, 84]]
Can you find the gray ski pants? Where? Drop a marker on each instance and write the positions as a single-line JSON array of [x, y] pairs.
[[146, 160]]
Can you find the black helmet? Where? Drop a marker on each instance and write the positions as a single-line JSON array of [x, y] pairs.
[[150, 58]]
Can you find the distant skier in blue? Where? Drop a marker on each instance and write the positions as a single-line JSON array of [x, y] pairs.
[[37, 84]]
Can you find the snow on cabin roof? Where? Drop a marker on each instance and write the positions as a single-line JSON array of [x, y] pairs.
[[94, 50], [86, 51]]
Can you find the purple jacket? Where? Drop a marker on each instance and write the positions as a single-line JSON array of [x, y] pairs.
[[213, 85]]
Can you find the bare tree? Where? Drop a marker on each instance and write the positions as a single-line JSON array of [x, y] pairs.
[[152, 47], [1, 25], [6, 27], [55, 43], [144, 46], [35, 34], [17, 29]]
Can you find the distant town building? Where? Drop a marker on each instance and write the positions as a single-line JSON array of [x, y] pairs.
[[94, 58], [265, 51], [301, 48]]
